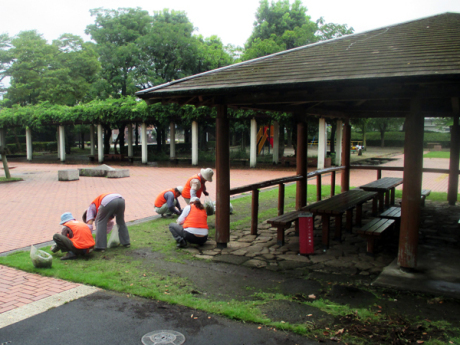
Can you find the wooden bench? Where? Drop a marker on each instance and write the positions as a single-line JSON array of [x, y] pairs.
[[393, 213], [335, 207], [374, 230], [425, 193], [282, 223], [113, 157]]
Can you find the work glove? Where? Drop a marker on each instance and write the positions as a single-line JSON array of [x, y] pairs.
[[205, 193]]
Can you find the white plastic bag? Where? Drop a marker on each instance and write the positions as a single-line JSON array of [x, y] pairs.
[[114, 240], [40, 259], [208, 205], [231, 207]]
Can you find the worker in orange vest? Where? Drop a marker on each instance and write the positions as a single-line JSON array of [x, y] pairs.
[[75, 238], [101, 211], [167, 202], [192, 225], [196, 184]]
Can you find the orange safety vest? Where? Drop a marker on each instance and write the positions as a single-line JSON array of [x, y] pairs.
[[82, 238], [98, 200], [161, 200], [187, 187], [196, 218]]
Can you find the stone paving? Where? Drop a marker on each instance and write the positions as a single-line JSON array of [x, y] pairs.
[[30, 210]]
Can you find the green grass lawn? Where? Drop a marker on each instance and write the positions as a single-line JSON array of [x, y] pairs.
[[437, 154], [126, 270]]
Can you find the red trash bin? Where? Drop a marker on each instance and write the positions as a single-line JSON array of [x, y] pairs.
[[306, 238]]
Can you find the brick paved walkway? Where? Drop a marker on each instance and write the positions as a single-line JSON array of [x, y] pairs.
[[30, 210]]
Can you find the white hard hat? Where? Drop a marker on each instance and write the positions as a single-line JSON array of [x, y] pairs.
[[180, 188], [207, 174], [193, 199]]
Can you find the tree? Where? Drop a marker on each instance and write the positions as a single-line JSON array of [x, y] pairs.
[[211, 54], [362, 124], [61, 72], [384, 125], [117, 34], [5, 58], [280, 26]]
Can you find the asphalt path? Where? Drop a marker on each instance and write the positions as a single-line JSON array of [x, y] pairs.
[[105, 318]]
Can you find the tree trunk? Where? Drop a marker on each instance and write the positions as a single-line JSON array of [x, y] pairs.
[[121, 138], [159, 139], [289, 137], [107, 136], [136, 134], [382, 139]]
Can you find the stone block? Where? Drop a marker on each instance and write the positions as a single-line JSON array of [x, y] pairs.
[[118, 173], [68, 175]]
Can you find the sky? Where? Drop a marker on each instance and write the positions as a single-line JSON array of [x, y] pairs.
[[232, 20]]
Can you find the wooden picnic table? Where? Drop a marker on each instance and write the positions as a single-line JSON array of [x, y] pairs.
[[384, 186], [336, 206]]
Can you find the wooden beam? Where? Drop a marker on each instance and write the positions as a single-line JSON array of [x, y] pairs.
[[222, 178], [452, 189], [412, 188]]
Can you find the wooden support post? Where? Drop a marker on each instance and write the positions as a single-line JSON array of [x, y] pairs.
[[387, 199], [412, 187], [318, 187], [281, 194], [223, 178], [374, 206], [452, 189], [379, 174], [332, 183], [346, 148], [301, 161], [254, 211]]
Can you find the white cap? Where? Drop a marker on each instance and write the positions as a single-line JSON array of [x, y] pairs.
[[193, 199], [180, 188], [207, 174]]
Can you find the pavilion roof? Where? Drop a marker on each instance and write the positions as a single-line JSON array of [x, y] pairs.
[[400, 61]]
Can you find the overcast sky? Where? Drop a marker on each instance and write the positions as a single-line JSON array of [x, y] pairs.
[[232, 20]]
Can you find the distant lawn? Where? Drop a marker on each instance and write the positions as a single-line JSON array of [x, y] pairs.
[[437, 154], [12, 179]]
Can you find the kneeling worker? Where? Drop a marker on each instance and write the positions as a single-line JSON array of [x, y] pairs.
[[75, 238], [167, 203], [192, 225]]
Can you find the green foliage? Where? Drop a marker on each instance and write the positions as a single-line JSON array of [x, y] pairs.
[[437, 154], [280, 26], [61, 72]]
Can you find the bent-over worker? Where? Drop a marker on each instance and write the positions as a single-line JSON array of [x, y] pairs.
[[103, 209], [196, 184]]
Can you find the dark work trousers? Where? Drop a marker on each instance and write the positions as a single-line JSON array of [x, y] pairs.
[[65, 245], [115, 208], [180, 234]]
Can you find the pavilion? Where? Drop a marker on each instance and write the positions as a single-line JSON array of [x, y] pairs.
[[409, 70]]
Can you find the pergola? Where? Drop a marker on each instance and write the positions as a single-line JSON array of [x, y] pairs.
[[409, 70]]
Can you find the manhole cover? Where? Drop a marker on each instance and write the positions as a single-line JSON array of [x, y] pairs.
[[163, 338]]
